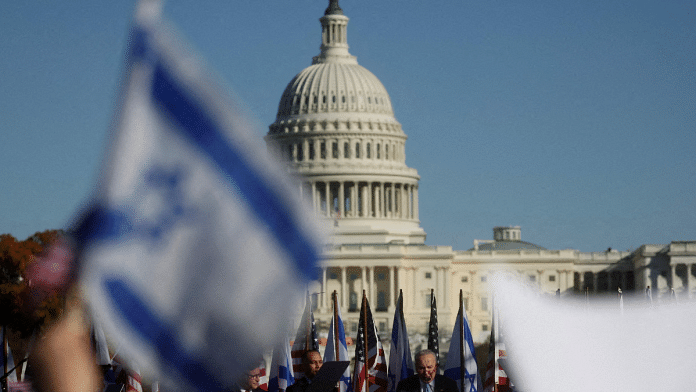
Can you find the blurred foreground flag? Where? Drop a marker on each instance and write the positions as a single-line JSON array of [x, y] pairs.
[[196, 241], [554, 345]]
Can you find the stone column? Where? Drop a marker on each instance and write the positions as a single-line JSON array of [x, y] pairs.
[[314, 197], [364, 190], [415, 203], [341, 200], [440, 282], [329, 199], [382, 201], [393, 201], [372, 287], [344, 288], [323, 295], [305, 150], [354, 200], [414, 291], [363, 281], [400, 281]]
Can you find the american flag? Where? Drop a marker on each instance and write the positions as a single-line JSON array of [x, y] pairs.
[[263, 382], [305, 339], [496, 379], [376, 363], [433, 343], [134, 383]]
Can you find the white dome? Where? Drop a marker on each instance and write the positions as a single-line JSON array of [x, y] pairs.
[[334, 87], [335, 129]]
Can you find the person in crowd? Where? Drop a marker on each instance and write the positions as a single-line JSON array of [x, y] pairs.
[[426, 378], [250, 381], [311, 363]]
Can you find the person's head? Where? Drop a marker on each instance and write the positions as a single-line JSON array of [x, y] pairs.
[[426, 365], [311, 361], [252, 379]]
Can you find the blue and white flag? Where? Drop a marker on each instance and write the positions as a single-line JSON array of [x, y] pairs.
[[281, 375], [400, 362], [337, 337], [193, 228], [462, 367]]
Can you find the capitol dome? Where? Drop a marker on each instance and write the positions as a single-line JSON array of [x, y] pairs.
[[330, 87], [335, 128]]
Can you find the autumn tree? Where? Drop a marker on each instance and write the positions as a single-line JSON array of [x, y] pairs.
[[15, 256]]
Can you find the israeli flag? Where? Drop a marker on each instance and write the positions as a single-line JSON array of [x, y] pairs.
[[400, 362], [338, 334], [196, 241], [281, 375], [462, 367]]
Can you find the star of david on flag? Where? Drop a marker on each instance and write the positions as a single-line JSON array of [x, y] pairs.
[[461, 359], [193, 226]]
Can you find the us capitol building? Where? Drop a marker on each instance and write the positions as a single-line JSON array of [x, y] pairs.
[[336, 129]]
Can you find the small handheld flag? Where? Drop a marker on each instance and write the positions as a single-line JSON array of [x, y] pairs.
[[193, 226]]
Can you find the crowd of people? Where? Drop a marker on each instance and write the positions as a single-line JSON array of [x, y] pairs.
[[425, 379]]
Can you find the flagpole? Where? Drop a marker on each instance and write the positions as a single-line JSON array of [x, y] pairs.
[[365, 337], [309, 324], [3, 381], [335, 305], [462, 369]]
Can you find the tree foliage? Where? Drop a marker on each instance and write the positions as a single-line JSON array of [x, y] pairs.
[[15, 256]]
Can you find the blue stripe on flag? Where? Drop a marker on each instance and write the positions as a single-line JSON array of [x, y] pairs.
[[162, 336], [203, 132]]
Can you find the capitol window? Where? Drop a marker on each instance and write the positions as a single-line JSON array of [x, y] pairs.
[[322, 150], [377, 151], [428, 275], [334, 150], [465, 279], [369, 153], [552, 278], [346, 150], [357, 150]]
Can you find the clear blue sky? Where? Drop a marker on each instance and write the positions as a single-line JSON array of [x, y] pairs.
[[573, 119]]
